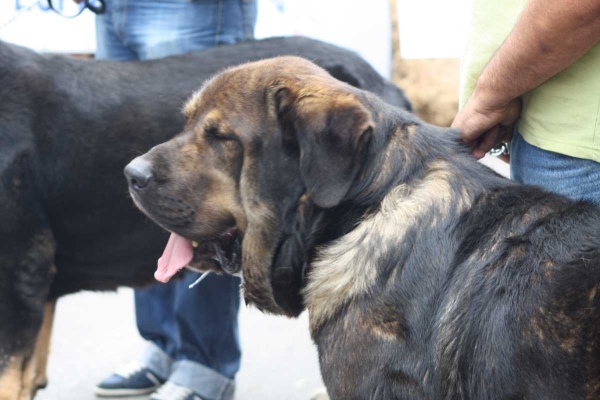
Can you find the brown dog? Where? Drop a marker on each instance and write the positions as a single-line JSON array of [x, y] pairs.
[[426, 275]]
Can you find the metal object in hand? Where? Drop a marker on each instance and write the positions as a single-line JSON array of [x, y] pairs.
[[500, 150]]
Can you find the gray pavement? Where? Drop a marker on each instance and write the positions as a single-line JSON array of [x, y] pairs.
[[95, 332]]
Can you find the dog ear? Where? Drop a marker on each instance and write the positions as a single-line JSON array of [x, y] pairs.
[[332, 131], [303, 223]]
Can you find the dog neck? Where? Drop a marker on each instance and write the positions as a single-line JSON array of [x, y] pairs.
[[417, 172], [402, 152]]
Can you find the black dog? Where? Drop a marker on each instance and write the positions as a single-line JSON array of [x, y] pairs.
[[428, 275], [67, 128]]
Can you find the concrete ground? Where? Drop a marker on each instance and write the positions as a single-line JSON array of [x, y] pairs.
[[95, 332]]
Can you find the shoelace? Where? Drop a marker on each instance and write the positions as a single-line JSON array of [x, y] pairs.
[[171, 391], [130, 369]]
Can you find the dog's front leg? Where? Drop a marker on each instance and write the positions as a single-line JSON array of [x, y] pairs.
[[25, 316]]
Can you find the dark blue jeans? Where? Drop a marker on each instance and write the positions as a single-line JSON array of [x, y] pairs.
[[194, 332], [572, 177]]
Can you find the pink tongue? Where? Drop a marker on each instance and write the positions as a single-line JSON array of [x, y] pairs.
[[177, 255]]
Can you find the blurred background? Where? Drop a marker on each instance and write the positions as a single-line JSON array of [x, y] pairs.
[[415, 43]]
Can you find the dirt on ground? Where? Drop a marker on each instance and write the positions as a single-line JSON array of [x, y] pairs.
[[431, 84]]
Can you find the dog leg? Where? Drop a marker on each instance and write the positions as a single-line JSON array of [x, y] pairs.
[[34, 374], [23, 376], [10, 380]]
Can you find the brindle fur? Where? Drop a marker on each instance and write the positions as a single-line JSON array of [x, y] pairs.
[[429, 276], [67, 129]]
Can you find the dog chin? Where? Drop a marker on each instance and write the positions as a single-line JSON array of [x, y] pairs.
[[210, 266], [203, 264]]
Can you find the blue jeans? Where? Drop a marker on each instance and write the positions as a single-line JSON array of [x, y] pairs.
[[194, 332], [146, 29], [572, 177]]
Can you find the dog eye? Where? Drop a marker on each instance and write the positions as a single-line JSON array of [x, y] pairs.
[[213, 133]]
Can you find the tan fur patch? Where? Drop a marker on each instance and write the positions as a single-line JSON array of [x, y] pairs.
[[592, 390], [547, 265], [24, 375], [190, 108], [260, 227], [256, 271], [569, 343], [224, 197], [189, 148], [348, 268], [213, 118], [537, 329], [387, 331], [42, 346], [425, 377], [592, 293], [382, 322], [10, 381]]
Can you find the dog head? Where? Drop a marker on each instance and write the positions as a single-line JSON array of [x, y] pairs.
[[268, 148]]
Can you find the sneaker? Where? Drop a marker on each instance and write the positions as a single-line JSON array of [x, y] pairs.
[[133, 379], [171, 391]]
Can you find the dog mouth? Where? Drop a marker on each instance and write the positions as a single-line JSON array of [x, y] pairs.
[[222, 252]]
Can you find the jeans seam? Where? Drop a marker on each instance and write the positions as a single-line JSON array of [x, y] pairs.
[[246, 24], [114, 22], [123, 19], [244, 21], [193, 374], [122, 33], [229, 322], [219, 21], [222, 390], [211, 359]]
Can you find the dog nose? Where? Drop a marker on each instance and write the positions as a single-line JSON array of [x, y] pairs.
[[138, 173]]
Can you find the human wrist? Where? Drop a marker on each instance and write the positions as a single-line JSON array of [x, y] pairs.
[[489, 96]]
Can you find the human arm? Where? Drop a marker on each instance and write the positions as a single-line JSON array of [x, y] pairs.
[[549, 36]]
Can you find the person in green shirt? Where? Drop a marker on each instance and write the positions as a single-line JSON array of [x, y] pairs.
[[531, 73]]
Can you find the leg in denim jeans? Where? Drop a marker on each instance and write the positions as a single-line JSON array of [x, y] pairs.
[[573, 177], [159, 28], [193, 331]]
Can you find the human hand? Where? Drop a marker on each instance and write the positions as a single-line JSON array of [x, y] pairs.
[[485, 121]]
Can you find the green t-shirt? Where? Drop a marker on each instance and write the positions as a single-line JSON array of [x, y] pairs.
[[563, 114]]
